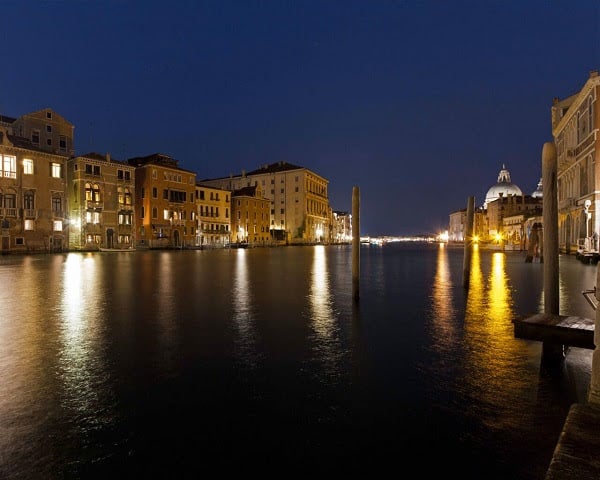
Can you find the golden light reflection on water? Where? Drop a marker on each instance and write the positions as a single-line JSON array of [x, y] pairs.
[[491, 351], [442, 302], [243, 316], [81, 299], [324, 321], [442, 293]]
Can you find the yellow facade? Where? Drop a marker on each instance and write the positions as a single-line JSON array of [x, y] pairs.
[[250, 217], [101, 203], [213, 217], [299, 202], [575, 123], [165, 203], [32, 197]]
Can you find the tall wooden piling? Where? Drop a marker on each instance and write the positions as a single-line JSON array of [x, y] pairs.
[[549, 246], [355, 242], [468, 239]]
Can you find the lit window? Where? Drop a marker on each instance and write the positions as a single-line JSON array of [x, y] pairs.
[[166, 214], [28, 224], [55, 170], [28, 166], [96, 218], [57, 225], [9, 166]]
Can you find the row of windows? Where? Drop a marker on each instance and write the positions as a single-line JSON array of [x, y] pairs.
[[9, 200], [213, 196], [95, 218], [57, 225], [62, 140], [8, 167]]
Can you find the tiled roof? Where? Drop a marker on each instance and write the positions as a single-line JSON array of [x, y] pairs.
[[245, 192], [5, 119], [275, 167]]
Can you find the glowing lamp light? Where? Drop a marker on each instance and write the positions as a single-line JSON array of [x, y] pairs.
[[498, 237], [475, 238]]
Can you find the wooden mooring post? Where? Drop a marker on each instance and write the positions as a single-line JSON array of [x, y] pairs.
[[355, 243], [468, 240]]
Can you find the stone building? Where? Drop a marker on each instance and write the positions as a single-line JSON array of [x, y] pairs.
[[46, 130], [341, 227], [165, 202], [575, 122], [101, 193], [213, 206], [250, 217], [33, 203], [299, 203]]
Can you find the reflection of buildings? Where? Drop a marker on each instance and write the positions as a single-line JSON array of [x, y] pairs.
[[33, 206], [213, 207], [165, 202], [574, 128], [298, 199], [101, 195]]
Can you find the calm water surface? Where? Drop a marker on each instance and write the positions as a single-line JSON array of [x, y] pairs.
[[173, 364]]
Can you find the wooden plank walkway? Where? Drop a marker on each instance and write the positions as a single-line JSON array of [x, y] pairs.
[[556, 329], [577, 453]]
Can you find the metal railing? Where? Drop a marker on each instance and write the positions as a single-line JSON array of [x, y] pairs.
[[590, 296]]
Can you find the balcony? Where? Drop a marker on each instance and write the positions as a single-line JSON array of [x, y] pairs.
[[30, 213], [91, 205], [10, 212]]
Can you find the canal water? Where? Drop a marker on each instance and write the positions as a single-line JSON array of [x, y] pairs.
[[183, 364]]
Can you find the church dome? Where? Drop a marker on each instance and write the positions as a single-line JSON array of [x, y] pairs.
[[539, 192], [504, 187]]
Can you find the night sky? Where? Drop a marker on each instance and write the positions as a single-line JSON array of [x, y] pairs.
[[418, 103]]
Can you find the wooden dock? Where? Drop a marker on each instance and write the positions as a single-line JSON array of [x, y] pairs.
[[564, 330], [576, 453]]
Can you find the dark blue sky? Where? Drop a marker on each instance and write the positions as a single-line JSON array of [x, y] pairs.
[[419, 103]]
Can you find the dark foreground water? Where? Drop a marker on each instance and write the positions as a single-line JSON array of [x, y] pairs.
[[191, 364]]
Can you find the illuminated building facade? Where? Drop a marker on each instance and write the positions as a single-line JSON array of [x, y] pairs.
[[250, 217], [341, 227], [165, 202], [299, 203], [575, 123], [213, 216], [101, 194], [32, 196]]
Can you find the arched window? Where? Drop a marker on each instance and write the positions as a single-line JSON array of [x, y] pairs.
[[96, 192], [127, 196], [28, 200], [88, 191], [120, 195]]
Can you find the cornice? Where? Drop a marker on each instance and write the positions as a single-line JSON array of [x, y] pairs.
[[589, 85]]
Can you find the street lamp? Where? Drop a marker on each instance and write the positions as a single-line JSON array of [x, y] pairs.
[[587, 204]]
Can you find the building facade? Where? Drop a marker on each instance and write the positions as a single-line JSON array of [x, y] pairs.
[[47, 131], [575, 123], [341, 227], [213, 217], [250, 217], [165, 203], [33, 215], [299, 203], [101, 194]]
